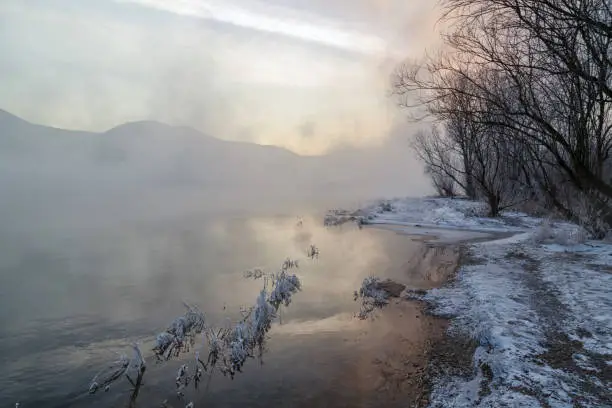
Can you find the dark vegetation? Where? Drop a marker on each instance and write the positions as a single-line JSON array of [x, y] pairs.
[[520, 106]]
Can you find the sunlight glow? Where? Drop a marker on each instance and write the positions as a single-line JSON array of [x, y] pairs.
[[270, 21]]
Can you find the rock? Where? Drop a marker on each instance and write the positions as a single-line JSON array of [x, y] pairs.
[[394, 289]]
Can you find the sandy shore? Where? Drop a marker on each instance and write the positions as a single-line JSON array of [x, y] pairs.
[[406, 341], [418, 345]]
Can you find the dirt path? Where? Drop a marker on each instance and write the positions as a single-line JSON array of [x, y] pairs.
[[552, 315], [584, 376], [514, 289]]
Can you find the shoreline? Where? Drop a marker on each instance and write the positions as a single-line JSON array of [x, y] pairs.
[[528, 313], [437, 264], [455, 353]]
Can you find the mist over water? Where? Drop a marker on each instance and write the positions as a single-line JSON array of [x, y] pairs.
[[166, 193], [51, 177], [72, 300], [104, 235]]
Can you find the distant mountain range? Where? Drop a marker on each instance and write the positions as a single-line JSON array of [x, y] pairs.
[[149, 151], [140, 157]]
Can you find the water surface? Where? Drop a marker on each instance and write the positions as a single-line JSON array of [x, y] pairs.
[[71, 298]]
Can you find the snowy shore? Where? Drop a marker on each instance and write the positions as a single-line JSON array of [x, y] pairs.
[[537, 304]]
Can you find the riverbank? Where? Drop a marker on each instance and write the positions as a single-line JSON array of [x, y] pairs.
[[530, 313]]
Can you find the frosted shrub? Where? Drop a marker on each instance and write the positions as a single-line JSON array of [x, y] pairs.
[[371, 295], [566, 235], [182, 381], [254, 273], [180, 334], [289, 264], [370, 289], [386, 206], [336, 217], [313, 252], [228, 348], [284, 287], [543, 233], [331, 220], [262, 315]]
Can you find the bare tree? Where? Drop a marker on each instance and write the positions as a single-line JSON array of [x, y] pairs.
[[438, 154], [536, 76]]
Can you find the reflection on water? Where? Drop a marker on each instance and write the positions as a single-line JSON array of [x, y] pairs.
[[72, 299]]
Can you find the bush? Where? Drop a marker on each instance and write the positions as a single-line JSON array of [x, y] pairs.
[[543, 233], [386, 207], [546, 233]]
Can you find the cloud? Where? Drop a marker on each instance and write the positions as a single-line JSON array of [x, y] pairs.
[[270, 19], [94, 65]]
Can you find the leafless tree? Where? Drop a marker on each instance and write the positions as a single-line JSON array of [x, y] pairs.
[[438, 154], [537, 78]]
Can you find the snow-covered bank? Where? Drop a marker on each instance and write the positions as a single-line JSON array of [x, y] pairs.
[[540, 312], [447, 220]]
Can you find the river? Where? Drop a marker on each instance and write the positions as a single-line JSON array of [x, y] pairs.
[[73, 298]]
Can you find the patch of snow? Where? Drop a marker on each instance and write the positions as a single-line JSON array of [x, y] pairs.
[[514, 239], [434, 213]]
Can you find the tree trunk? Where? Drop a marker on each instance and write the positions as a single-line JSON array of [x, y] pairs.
[[493, 201]]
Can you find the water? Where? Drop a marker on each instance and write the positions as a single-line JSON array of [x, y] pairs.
[[70, 299]]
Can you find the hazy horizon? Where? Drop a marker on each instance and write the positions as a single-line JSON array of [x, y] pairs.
[[136, 171], [307, 76]]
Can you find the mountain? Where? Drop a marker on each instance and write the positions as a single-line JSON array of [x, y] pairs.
[[156, 162], [18, 136], [154, 151]]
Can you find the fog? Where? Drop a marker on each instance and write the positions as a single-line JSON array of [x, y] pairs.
[[169, 104], [152, 150], [257, 71], [52, 178]]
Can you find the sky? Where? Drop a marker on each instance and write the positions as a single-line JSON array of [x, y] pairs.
[[308, 75]]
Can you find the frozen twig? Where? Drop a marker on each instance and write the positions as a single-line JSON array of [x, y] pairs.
[[228, 347], [313, 252], [180, 334], [255, 273]]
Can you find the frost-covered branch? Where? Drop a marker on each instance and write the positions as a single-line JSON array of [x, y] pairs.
[[227, 348], [313, 252], [119, 368], [180, 334]]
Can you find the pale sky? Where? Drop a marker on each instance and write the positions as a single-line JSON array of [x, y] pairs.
[[309, 75]]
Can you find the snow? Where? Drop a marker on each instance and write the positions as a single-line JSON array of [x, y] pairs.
[[440, 212], [535, 297], [445, 219]]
